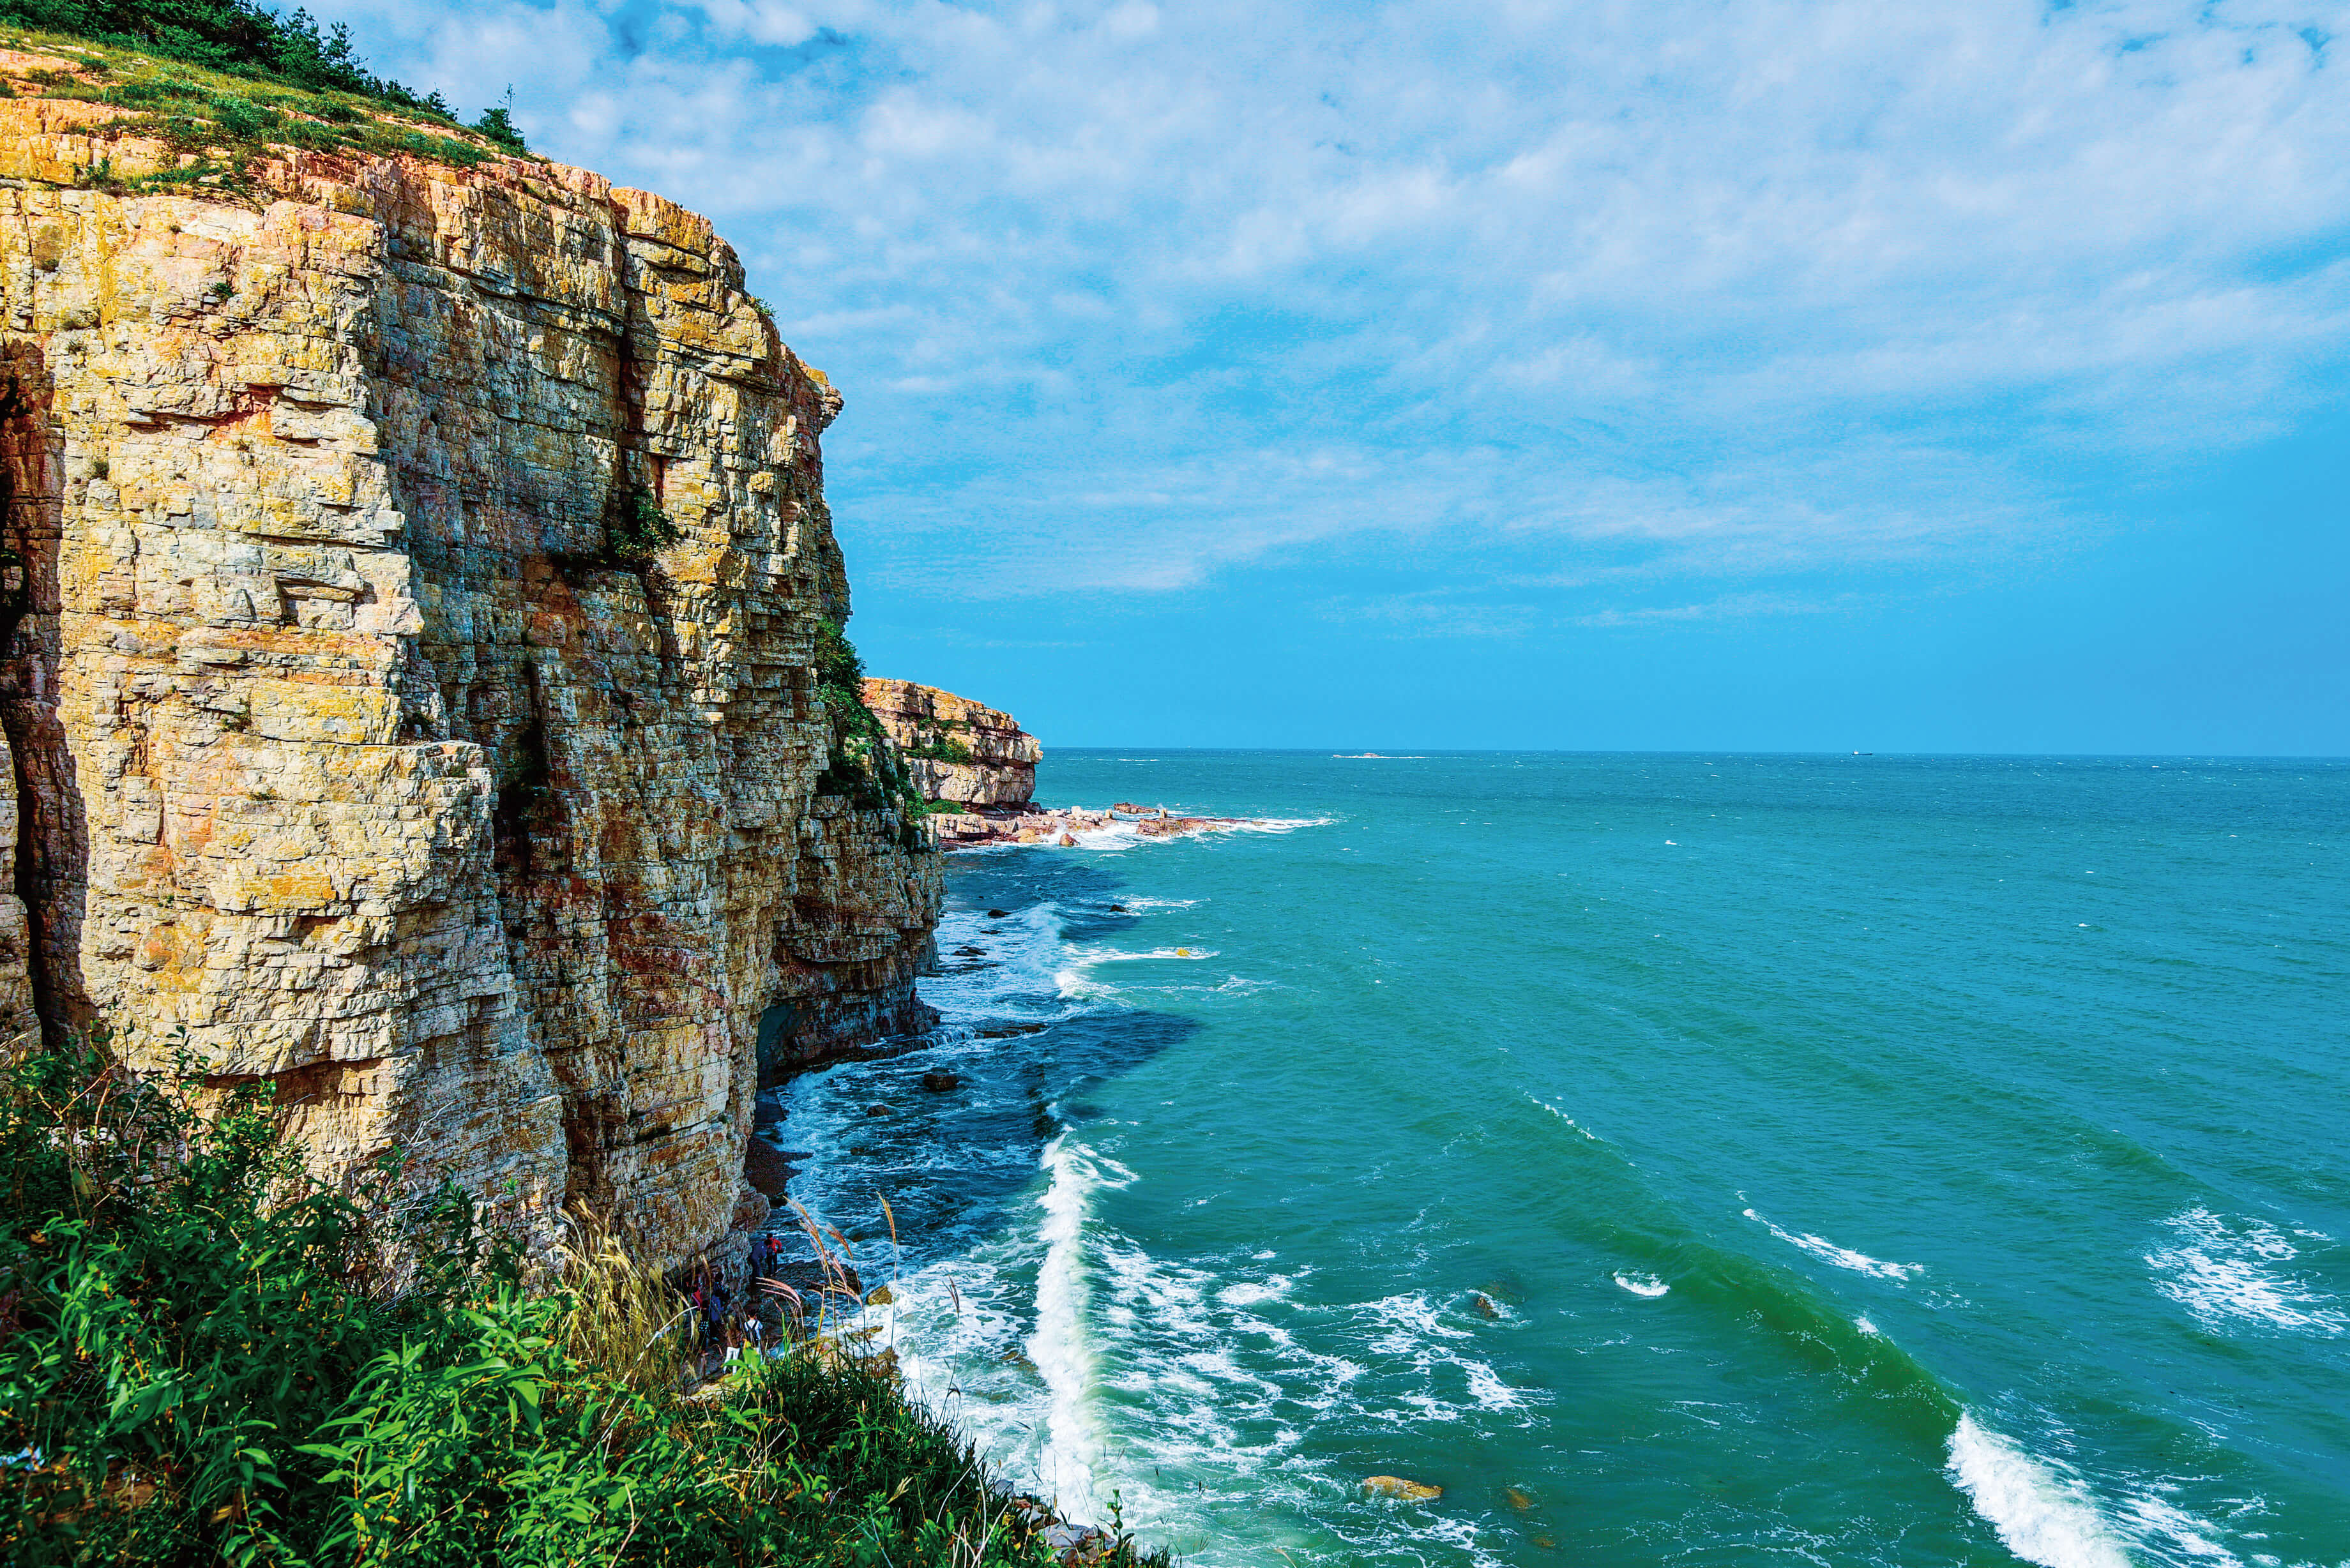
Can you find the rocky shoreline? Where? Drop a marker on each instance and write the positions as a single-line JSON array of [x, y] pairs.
[[981, 826]]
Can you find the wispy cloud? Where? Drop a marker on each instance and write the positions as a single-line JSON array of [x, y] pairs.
[[1130, 295]]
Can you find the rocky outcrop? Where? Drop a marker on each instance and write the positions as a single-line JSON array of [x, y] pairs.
[[956, 750], [351, 750]]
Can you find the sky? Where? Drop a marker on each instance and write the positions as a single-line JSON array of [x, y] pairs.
[[1952, 376]]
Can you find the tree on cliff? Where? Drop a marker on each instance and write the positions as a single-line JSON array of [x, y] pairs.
[[234, 35]]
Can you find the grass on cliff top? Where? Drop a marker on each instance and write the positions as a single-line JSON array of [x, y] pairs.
[[217, 116], [239, 38], [204, 1356]]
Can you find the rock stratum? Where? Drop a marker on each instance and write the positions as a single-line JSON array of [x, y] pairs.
[[349, 751], [956, 750]]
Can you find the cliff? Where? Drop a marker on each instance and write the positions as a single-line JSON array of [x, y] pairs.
[[956, 750], [361, 741]]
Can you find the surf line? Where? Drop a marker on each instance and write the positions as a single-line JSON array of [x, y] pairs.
[[1060, 1345]]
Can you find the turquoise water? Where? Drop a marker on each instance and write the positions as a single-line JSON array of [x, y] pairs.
[[1676, 1158]]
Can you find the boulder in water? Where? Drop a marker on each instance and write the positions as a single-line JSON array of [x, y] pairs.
[[1402, 1489], [940, 1082], [999, 914]]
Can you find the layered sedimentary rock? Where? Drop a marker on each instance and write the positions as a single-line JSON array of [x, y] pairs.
[[348, 750], [956, 750]]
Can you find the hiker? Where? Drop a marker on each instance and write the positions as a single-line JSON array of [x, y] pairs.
[[734, 1345], [755, 1327]]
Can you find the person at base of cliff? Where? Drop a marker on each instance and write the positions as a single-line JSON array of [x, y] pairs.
[[756, 1331]]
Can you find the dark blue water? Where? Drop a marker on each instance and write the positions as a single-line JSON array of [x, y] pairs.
[[1691, 1159]]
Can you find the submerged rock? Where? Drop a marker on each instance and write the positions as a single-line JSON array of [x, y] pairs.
[[1405, 1490], [940, 1082]]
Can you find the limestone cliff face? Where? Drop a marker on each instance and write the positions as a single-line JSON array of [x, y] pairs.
[[955, 749], [346, 747]]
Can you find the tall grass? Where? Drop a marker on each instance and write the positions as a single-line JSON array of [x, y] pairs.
[[204, 1357]]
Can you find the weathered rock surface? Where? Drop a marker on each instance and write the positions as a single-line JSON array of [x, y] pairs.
[[955, 749], [347, 750]]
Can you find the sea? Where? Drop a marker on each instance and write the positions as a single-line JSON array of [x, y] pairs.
[[1694, 1160]]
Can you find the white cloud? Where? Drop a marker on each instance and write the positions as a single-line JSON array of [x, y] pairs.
[[1714, 290]]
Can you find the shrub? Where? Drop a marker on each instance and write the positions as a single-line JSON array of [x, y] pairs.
[[863, 763], [643, 530], [226, 34], [204, 1358], [497, 124]]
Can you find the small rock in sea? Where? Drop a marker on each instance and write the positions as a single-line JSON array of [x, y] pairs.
[[1118, 908], [1483, 1303], [1068, 842], [876, 1110], [940, 1082], [971, 952], [1545, 1543], [1396, 1486], [999, 914], [1517, 1498], [879, 1295]]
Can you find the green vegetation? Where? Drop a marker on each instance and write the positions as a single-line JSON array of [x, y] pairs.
[[232, 36], [219, 80], [644, 530], [863, 764], [205, 1357], [939, 747]]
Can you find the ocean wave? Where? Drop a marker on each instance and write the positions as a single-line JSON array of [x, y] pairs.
[[1828, 1252], [1562, 1115], [2226, 1271], [1061, 1346], [1643, 1284], [2042, 1511]]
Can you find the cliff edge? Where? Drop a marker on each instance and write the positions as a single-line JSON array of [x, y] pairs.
[[369, 732], [956, 750]]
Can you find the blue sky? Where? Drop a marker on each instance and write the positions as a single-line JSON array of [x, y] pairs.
[[1933, 376]]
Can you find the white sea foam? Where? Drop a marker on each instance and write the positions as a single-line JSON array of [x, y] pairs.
[[1828, 1252], [2041, 1510], [1865, 1326], [1562, 1115], [1061, 1346], [2228, 1272], [1643, 1284]]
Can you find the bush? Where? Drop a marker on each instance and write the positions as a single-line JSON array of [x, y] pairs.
[[226, 34], [644, 530], [863, 764], [204, 1358], [497, 124]]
